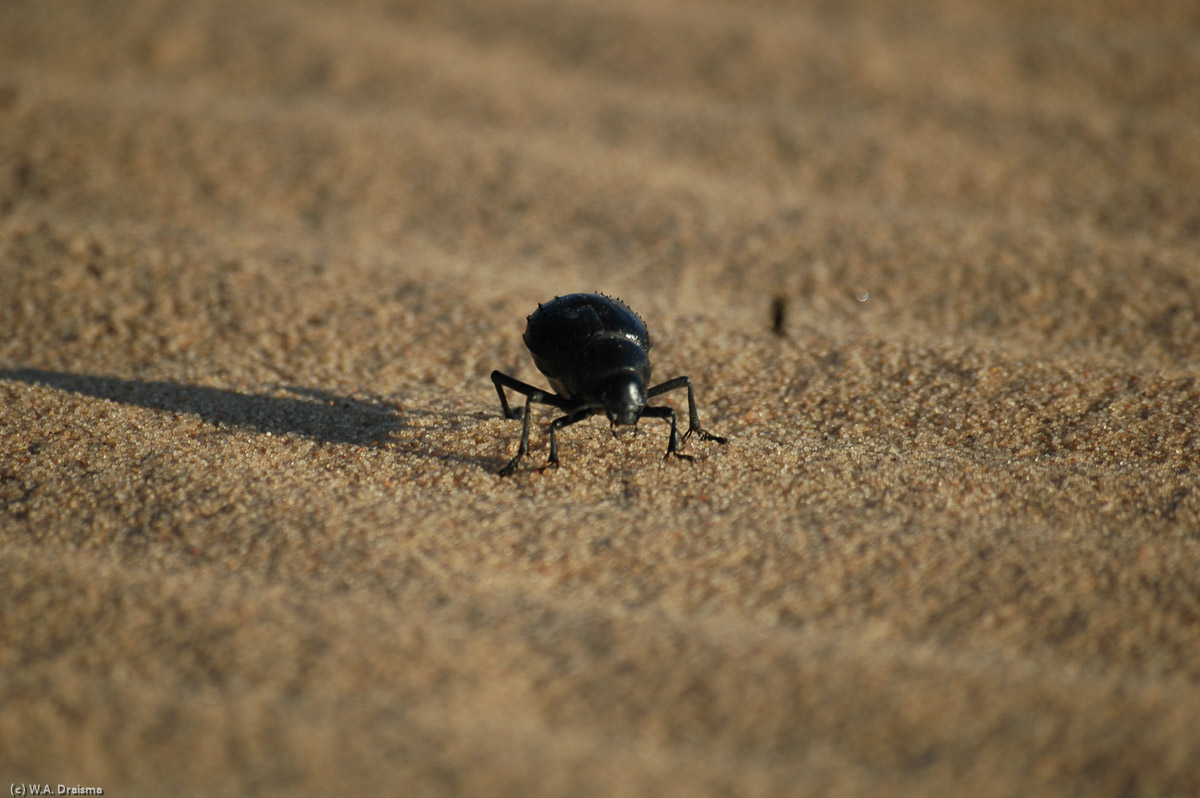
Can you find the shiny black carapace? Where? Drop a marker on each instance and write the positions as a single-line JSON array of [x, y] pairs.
[[595, 352]]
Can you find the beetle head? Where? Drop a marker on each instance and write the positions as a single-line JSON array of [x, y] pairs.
[[624, 398]]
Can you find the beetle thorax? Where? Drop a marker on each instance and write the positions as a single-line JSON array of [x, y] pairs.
[[610, 370]]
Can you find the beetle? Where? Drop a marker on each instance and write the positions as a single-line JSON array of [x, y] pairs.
[[595, 352]]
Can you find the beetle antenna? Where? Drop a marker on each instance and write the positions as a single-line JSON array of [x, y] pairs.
[[617, 430]]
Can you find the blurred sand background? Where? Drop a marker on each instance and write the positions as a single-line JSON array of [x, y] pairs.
[[257, 261]]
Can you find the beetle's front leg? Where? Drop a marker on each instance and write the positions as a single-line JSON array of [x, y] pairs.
[[673, 443], [693, 417]]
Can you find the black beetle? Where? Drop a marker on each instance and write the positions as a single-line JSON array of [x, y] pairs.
[[595, 351]]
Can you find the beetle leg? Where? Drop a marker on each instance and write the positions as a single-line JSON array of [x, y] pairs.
[[523, 449], [500, 391], [501, 381], [573, 417], [532, 396], [673, 443], [543, 397], [693, 416]]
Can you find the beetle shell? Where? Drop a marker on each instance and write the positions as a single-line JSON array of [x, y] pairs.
[[559, 330]]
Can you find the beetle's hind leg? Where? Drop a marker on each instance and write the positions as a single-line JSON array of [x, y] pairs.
[[502, 381], [532, 396], [693, 417], [523, 449]]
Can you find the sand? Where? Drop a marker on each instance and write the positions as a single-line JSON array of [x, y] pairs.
[[258, 261]]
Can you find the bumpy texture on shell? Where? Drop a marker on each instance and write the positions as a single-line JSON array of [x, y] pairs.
[[558, 329]]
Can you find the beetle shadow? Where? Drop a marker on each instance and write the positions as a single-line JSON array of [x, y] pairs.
[[418, 422], [311, 413]]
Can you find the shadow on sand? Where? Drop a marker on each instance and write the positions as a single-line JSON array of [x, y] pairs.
[[310, 412]]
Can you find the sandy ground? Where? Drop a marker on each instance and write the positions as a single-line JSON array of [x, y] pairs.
[[258, 260]]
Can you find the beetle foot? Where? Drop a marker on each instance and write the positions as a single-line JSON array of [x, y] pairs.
[[511, 467], [704, 436], [680, 455]]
